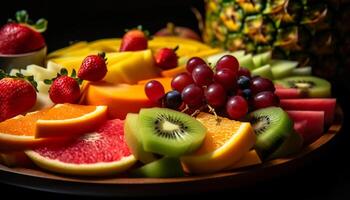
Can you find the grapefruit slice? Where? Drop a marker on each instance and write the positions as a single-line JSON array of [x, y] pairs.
[[69, 120], [103, 152], [226, 142]]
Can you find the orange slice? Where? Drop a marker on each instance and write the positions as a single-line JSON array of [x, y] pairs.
[[18, 133], [69, 120], [226, 142]]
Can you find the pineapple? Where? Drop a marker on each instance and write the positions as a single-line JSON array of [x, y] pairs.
[[314, 32]]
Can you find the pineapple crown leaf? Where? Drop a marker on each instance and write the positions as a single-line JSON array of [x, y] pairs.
[[22, 17], [19, 75], [64, 72]]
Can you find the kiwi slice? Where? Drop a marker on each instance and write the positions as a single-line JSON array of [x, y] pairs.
[[272, 126], [247, 62], [169, 132], [264, 71], [291, 145], [282, 68], [133, 139], [312, 86], [166, 167], [262, 59], [302, 71]]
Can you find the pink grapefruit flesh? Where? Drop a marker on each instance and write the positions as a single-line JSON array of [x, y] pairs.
[[102, 152]]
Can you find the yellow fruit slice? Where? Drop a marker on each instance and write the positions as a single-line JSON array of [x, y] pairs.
[[63, 51], [226, 142], [249, 159], [69, 120]]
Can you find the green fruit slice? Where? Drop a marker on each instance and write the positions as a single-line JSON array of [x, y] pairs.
[[264, 71], [262, 59], [282, 68], [168, 132], [292, 144], [166, 167], [272, 126], [247, 62], [302, 71], [312, 86], [133, 139]]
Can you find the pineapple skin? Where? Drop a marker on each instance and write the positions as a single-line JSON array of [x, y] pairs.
[[314, 32]]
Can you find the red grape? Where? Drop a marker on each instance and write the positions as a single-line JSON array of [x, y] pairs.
[[236, 107], [265, 99], [243, 72], [229, 62], [192, 95], [202, 75], [154, 90], [180, 81], [194, 62], [226, 78], [260, 84], [215, 95]]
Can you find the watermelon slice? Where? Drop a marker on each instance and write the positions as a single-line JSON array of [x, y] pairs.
[[288, 93], [313, 104], [309, 124]]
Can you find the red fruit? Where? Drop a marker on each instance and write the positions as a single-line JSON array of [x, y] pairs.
[[166, 58], [180, 81], [289, 93], [16, 97], [260, 84], [226, 78], [64, 89], [309, 124], [215, 95], [154, 90], [202, 75], [193, 63], [313, 104], [134, 40], [193, 96], [236, 107], [265, 99], [93, 68], [19, 38], [229, 62], [179, 31], [243, 72]]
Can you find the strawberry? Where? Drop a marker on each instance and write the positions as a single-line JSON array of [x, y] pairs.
[[93, 68], [64, 89], [134, 40], [166, 58], [16, 97], [20, 37]]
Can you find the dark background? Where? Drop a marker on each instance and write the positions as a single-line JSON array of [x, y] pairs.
[[325, 177]]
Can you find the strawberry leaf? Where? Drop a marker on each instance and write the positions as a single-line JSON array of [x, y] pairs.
[[64, 72], [22, 16], [74, 73], [40, 25], [19, 75], [48, 81]]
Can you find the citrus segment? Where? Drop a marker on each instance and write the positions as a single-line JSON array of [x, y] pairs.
[[69, 120], [98, 153], [226, 142]]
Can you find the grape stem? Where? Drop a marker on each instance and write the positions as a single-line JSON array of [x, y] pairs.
[[212, 110], [185, 109]]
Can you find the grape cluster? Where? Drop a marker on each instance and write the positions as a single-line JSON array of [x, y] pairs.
[[225, 87]]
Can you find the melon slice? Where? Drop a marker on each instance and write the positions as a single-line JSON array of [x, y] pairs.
[[288, 93], [309, 124], [313, 104], [103, 152]]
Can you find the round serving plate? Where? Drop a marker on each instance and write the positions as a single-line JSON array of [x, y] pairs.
[[37, 179]]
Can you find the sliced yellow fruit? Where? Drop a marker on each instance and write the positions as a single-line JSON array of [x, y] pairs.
[[63, 51], [249, 159], [226, 142]]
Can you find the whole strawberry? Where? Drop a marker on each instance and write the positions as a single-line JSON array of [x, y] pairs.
[[64, 89], [16, 97], [93, 68], [166, 58], [134, 40], [20, 37]]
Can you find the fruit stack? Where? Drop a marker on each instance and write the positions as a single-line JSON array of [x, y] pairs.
[[169, 107]]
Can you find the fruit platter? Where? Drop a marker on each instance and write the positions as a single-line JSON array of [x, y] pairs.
[[154, 114]]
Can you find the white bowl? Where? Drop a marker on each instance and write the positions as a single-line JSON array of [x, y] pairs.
[[20, 61]]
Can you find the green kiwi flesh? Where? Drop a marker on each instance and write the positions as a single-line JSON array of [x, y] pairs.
[[169, 132], [166, 167], [312, 86], [134, 140], [272, 126], [264, 71]]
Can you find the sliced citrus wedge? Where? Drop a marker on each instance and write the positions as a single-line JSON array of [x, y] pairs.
[[18, 133], [226, 142], [69, 120]]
